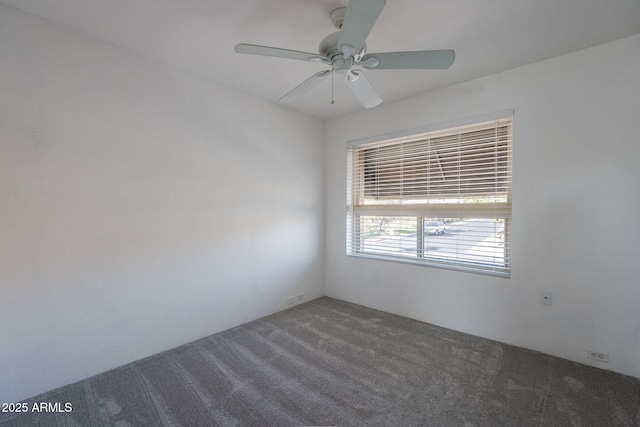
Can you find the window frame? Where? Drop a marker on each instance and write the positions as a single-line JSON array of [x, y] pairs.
[[499, 210]]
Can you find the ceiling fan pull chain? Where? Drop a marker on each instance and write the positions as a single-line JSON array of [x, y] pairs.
[[332, 100]]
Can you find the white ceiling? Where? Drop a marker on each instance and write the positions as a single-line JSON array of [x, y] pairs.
[[198, 36]]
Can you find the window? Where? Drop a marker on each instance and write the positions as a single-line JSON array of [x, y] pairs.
[[440, 198]]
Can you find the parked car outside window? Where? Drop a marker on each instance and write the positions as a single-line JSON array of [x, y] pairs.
[[435, 227]]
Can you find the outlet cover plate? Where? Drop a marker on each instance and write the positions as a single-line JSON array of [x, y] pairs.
[[596, 355]]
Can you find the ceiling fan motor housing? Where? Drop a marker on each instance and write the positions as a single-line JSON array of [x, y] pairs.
[[329, 47]]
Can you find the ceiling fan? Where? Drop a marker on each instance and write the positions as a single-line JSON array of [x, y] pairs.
[[346, 48]]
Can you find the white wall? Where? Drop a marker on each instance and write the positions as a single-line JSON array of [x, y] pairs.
[[140, 208], [576, 210]]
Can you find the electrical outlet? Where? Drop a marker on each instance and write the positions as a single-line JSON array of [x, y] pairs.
[[300, 298], [600, 357], [291, 300], [545, 298]]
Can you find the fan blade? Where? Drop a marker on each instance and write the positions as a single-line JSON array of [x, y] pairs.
[[425, 59], [306, 86], [362, 89], [253, 49], [360, 18]]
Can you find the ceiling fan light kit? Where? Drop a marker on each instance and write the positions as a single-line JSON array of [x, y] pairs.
[[346, 48]]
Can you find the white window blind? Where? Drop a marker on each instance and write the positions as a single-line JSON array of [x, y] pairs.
[[440, 198]]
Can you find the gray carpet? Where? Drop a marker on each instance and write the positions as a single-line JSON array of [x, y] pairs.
[[328, 362]]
